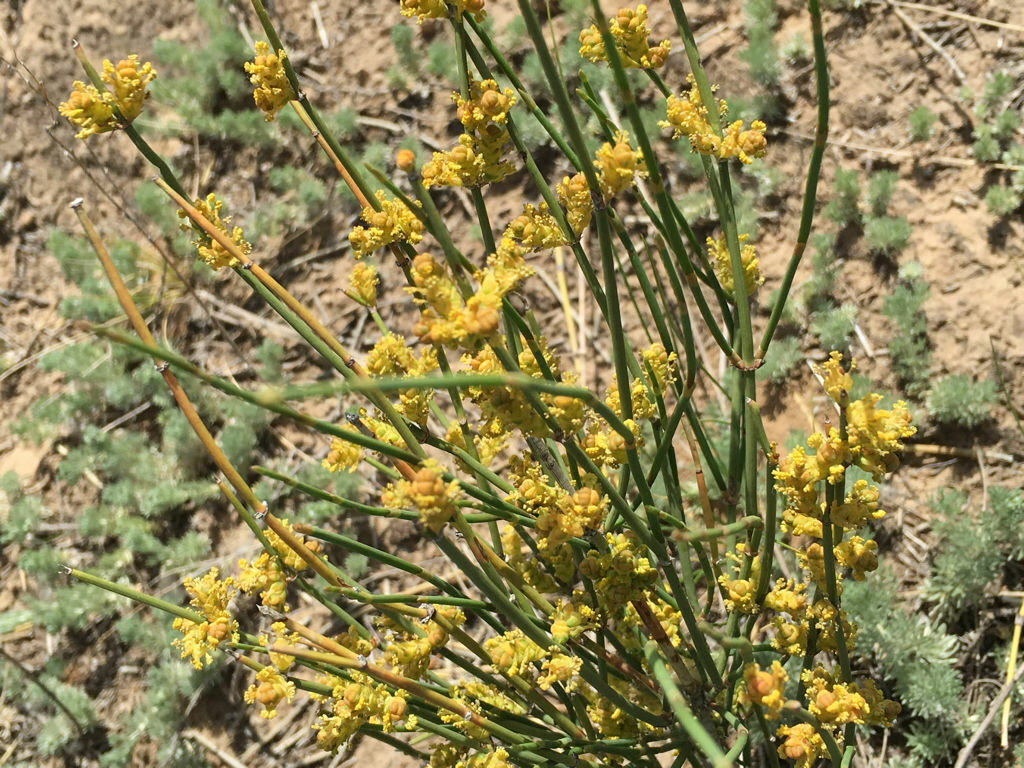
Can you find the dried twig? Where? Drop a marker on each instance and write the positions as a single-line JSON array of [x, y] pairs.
[[954, 162], [51, 695], [209, 745], [929, 449], [965, 753], [927, 39], [319, 21], [1011, 665], [953, 14]]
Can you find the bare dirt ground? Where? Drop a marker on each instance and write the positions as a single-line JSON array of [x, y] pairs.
[[881, 69]]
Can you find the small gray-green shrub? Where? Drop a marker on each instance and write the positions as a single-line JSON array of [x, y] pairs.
[[959, 401], [921, 123], [844, 208], [910, 354]]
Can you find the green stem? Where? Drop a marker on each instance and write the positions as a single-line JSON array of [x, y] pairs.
[[262, 399], [136, 595], [350, 167], [743, 524], [813, 173], [684, 715]]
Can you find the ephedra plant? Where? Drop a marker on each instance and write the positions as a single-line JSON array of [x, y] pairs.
[[623, 599]]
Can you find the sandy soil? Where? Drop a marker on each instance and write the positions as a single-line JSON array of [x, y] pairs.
[[880, 72]]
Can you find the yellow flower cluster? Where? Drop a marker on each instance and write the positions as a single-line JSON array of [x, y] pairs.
[[354, 703], [441, 320], [875, 434], [800, 477], [520, 557], [424, 9], [210, 251], [642, 402], [835, 703], [643, 399], [504, 408], [505, 271], [436, 9], [344, 455], [382, 429], [270, 689], [741, 593], [267, 575], [513, 653], [570, 619], [427, 493], [612, 721], [559, 667], [486, 103], [394, 222], [874, 438], [87, 108], [408, 653], [281, 661], [786, 597], [606, 447], [361, 700], [618, 165], [660, 363], [363, 284], [859, 507], [630, 32], [859, 555], [93, 111], [129, 82], [718, 253], [765, 688], [210, 597], [266, 72], [461, 166], [488, 443], [620, 574], [559, 515], [688, 116], [391, 356], [445, 318], [536, 229], [575, 197], [477, 158], [801, 743], [492, 758]]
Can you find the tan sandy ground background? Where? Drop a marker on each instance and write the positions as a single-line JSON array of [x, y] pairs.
[[880, 72]]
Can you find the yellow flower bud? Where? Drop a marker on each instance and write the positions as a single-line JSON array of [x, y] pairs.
[[129, 82], [396, 707], [87, 108], [266, 72]]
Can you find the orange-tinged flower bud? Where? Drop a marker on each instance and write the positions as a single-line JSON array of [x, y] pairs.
[[405, 159], [437, 635], [760, 684], [219, 629], [266, 694], [825, 699], [87, 108], [481, 319]]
